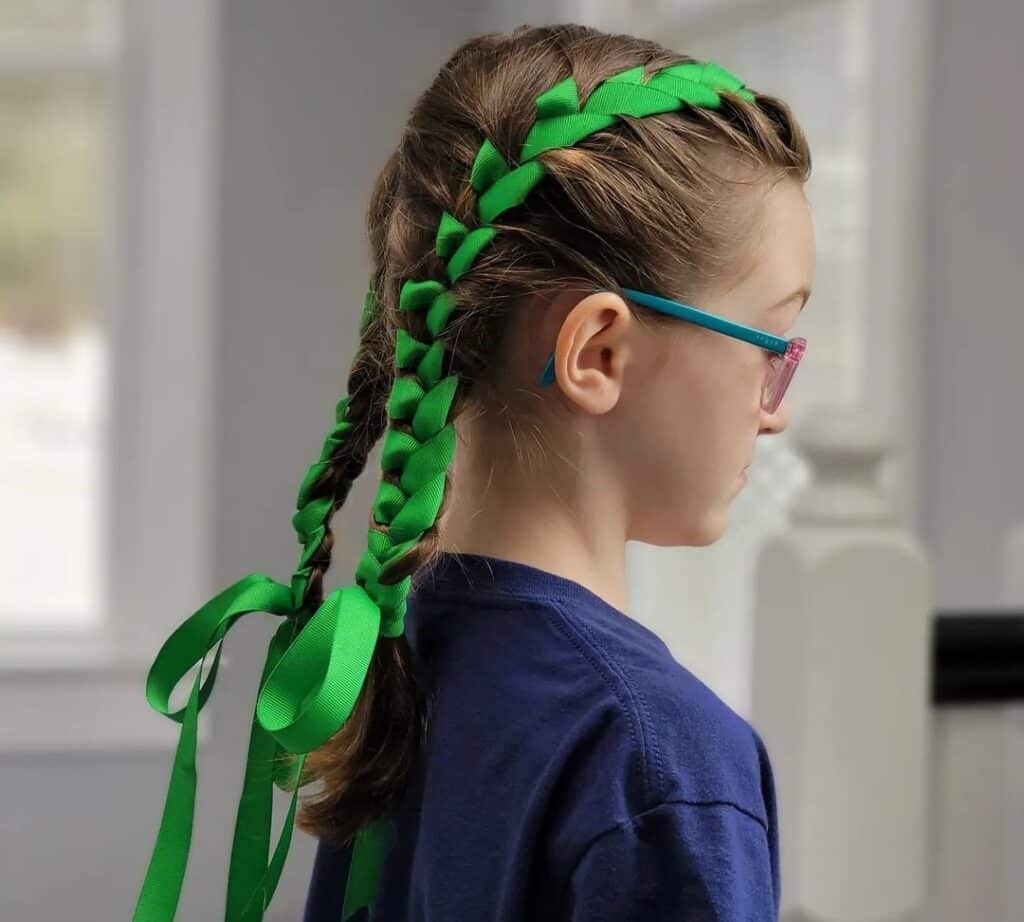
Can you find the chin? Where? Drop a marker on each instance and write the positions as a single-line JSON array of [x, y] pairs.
[[694, 534], [710, 534], [713, 527]]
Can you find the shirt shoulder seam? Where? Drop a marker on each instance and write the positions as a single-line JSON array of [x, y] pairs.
[[633, 708], [633, 818]]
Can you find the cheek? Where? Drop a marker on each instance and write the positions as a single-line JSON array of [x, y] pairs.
[[693, 421], [736, 383], [686, 447], [715, 416]]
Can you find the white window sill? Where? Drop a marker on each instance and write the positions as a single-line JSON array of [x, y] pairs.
[[81, 693]]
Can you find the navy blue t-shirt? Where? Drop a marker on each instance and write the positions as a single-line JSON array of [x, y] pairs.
[[574, 769]]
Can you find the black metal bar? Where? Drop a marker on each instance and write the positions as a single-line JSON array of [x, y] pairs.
[[977, 656]]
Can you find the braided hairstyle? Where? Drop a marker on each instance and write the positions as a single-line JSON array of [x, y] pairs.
[[463, 231], [549, 158]]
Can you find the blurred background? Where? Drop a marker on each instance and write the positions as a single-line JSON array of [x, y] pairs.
[[182, 268]]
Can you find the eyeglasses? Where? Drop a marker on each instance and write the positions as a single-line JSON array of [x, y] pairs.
[[784, 354]]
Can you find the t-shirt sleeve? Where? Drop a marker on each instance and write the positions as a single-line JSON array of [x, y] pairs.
[[676, 861]]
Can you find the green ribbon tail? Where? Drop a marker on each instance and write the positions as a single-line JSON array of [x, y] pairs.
[[272, 873], [186, 647], [247, 874], [364, 869], [161, 888]]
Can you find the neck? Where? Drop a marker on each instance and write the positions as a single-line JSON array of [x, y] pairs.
[[573, 526]]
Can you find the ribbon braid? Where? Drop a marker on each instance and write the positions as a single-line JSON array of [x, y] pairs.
[[317, 663]]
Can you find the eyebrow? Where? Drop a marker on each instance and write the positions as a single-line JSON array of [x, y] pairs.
[[806, 292]]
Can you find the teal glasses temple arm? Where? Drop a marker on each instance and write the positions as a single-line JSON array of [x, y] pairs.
[[692, 315]]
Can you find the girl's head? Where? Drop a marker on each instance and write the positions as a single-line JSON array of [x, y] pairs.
[[654, 415], [651, 420]]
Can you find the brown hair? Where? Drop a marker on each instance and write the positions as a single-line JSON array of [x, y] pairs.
[[646, 203]]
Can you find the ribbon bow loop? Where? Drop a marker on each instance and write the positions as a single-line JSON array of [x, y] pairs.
[[196, 636], [312, 690]]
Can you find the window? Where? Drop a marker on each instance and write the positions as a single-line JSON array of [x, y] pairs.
[[56, 66], [108, 151]]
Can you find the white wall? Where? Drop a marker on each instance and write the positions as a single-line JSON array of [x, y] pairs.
[[974, 322]]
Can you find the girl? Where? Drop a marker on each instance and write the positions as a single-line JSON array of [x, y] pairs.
[[587, 252]]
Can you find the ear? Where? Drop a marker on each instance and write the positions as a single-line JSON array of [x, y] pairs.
[[595, 343]]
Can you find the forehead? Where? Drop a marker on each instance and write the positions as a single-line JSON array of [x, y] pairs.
[[786, 249]]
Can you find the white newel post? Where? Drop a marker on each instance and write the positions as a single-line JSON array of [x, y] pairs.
[[841, 689]]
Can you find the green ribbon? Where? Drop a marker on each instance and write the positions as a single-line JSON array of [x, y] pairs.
[[310, 682]]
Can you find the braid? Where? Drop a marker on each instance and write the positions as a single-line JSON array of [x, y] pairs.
[[360, 417], [359, 423], [337, 676]]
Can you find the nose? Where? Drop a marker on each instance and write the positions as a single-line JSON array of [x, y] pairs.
[[774, 423]]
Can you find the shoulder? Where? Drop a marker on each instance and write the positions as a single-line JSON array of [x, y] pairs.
[[595, 736], [585, 711], [688, 744], [705, 798]]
